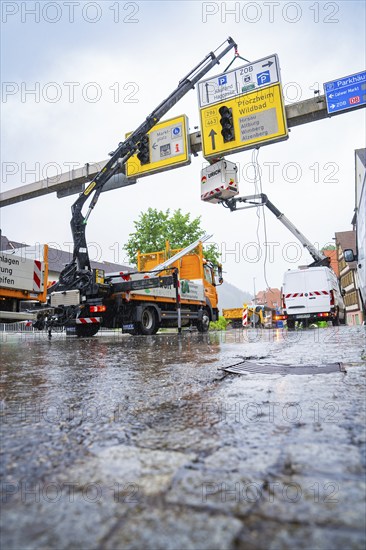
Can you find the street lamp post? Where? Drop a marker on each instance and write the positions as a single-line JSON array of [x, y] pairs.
[[254, 299]]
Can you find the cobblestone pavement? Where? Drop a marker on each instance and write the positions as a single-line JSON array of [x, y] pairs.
[[119, 442]]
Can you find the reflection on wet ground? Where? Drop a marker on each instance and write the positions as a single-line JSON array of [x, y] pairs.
[[145, 442]]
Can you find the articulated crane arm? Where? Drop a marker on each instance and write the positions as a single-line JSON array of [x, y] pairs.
[[78, 273], [263, 200]]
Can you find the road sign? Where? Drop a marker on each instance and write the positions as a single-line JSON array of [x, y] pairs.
[[244, 79], [168, 148], [258, 118], [348, 92]]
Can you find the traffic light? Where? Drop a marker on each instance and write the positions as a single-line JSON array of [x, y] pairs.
[[227, 123], [144, 150]]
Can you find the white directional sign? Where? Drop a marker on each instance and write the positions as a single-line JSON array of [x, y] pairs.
[[247, 78], [17, 273]]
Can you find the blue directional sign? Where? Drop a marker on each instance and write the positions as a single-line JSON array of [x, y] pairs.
[[348, 92]]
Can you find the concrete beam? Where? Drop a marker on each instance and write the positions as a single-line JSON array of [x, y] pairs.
[[64, 184], [68, 183], [306, 111]]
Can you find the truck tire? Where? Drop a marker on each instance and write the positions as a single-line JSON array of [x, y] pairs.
[[204, 324], [149, 323], [86, 331], [290, 324]]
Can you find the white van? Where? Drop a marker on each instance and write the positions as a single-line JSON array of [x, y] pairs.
[[312, 294]]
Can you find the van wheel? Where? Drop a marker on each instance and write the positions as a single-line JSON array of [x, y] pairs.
[[204, 324], [335, 321], [149, 323], [86, 331]]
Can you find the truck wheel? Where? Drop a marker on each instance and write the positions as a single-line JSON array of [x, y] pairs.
[[149, 323], [86, 331], [290, 324], [203, 325]]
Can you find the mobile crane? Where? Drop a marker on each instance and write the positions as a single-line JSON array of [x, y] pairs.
[[308, 295], [262, 200], [79, 286]]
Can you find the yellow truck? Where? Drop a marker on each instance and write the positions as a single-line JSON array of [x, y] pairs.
[[23, 282], [257, 316], [172, 288], [194, 299]]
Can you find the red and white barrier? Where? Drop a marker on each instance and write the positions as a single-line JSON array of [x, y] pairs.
[[245, 317]]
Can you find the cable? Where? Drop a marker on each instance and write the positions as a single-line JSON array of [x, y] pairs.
[[258, 179], [256, 192]]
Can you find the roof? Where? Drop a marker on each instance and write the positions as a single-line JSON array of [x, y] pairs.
[[270, 297], [5, 244], [361, 153], [332, 254], [57, 259], [347, 239]]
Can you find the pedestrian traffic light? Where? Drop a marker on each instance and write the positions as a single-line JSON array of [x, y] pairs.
[[144, 150], [227, 123]]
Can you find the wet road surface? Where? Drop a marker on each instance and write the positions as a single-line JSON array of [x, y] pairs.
[[119, 442]]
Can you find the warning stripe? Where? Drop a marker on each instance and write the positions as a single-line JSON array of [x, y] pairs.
[[213, 192], [313, 293], [87, 320], [245, 317], [37, 276], [217, 190]]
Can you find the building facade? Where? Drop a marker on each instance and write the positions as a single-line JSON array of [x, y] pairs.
[[270, 298], [348, 278]]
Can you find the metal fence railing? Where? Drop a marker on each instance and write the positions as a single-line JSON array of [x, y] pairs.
[[23, 326]]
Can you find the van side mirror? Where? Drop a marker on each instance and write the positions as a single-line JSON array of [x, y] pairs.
[[349, 255], [343, 292]]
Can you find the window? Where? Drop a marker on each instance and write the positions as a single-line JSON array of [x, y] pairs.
[[347, 279], [208, 274], [351, 299]]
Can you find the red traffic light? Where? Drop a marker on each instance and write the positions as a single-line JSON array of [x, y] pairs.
[[227, 123]]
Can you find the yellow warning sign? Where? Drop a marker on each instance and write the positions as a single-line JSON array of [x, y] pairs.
[[244, 122], [167, 147]]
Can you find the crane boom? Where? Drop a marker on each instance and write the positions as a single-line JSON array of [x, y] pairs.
[[77, 274], [262, 200]]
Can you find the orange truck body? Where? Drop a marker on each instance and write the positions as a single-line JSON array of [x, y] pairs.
[[192, 270], [193, 301]]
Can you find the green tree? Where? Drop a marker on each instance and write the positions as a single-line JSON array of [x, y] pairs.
[[155, 227]]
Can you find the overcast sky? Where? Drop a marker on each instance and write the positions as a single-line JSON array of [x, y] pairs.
[[97, 69]]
